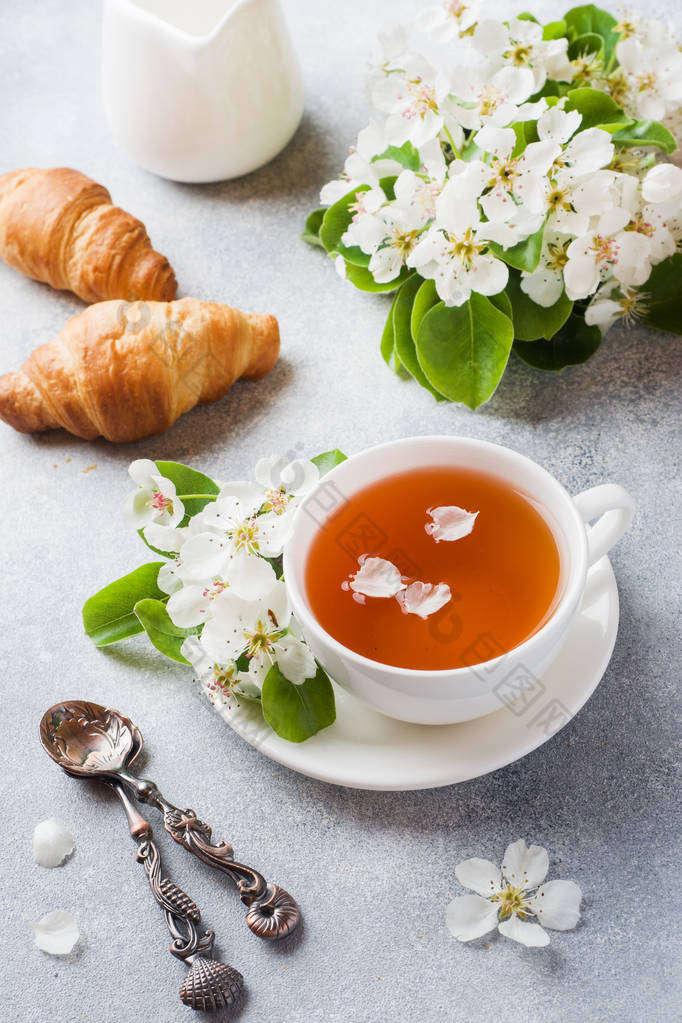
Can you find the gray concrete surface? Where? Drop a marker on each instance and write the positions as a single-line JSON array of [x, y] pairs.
[[373, 871]]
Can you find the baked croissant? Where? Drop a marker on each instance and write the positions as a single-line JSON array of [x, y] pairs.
[[126, 371], [60, 227]]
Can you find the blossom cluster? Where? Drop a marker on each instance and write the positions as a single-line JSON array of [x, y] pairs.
[[501, 158], [220, 578]]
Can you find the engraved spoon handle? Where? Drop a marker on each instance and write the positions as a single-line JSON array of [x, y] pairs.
[[209, 985], [272, 912]]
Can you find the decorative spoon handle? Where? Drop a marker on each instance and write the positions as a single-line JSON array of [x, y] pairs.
[[273, 913], [209, 985]]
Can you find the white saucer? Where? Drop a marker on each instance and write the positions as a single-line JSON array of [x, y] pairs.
[[366, 750]]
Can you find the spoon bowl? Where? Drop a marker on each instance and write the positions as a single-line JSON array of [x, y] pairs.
[[86, 739]]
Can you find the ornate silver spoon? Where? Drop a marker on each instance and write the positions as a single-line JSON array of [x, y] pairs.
[[88, 741]]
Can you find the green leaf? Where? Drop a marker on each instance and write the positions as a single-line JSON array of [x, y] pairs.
[[526, 132], [532, 321], [328, 460], [155, 550], [524, 255], [297, 712], [109, 615], [188, 481], [589, 19], [501, 301], [425, 299], [598, 110], [335, 222], [551, 91], [387, 186], [664, 305], [554, 30], [363, 280], [573, 344], [402, 333], [471, 151], [464, 349], [590, 42], [388, 352], [646, 133], [406, 155], [311, 232], [337, 219], [164, 635]]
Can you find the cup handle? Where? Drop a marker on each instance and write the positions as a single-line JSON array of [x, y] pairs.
[[613, 508]]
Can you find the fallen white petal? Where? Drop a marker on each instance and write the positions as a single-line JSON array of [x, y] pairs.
[[557, 905], [52, 843], [525, 866], [450, 523], [482, 876], [470, 916], [56, 933], [377, 577], [526, 933], [423, 599]]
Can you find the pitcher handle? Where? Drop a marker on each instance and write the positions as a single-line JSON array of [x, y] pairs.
[[613, 508]]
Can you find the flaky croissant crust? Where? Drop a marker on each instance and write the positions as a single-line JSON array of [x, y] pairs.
[[60, 227], [125, 371]]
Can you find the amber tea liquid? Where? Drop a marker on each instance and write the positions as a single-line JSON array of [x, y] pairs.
[[503, 576]]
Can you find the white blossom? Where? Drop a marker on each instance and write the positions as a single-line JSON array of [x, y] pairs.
[[411, 99], [450, 18], [513, 898], [652, 75], [519, 43], [155, 500], [607, 249], [257, 629]]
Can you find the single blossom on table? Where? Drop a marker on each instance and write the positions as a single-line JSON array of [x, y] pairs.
[[513, 898]]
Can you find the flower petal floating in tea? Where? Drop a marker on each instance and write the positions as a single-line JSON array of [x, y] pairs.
[[423, 599], [450, 523], [376, 577]]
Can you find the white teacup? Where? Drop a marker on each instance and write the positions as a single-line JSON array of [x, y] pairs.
[[458, 694]]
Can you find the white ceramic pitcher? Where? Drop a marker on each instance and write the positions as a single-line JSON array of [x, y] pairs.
[[200, 90]]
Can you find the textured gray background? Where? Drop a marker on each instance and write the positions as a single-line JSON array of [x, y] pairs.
[[373, 871]]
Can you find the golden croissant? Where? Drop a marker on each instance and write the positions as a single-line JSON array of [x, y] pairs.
[[60, 227], [127, 370]]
